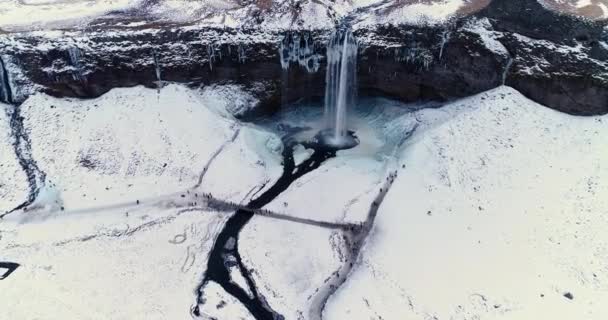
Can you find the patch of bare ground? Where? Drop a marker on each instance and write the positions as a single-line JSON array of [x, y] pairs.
[[470, 6], [593, 10]]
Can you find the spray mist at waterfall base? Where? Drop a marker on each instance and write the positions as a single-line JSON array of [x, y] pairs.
[[375, 125], [328, 140]]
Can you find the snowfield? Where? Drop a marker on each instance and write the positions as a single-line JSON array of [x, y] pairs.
[[498, 210], [411, 12], [266, 15], [137, 144], [500, 213], [36, 14], [29, 15], [111, 235], [107, 265], [290, 261]]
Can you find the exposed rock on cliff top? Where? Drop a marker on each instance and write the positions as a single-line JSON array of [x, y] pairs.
[[557, 60]]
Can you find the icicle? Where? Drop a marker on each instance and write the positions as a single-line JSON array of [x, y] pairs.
[[6, 93], [241, 53], [159, 81], [299, 49], [414, 55], [211, 55], [75, 61], [445, 38], [505, 72]]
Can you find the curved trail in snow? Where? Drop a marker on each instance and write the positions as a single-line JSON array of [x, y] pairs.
[[354, 239], [213, 156]]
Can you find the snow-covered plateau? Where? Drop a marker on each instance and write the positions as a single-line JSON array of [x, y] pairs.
[[19, 15], [277, 14], [488, 207]]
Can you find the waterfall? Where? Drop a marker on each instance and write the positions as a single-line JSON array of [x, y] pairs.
[[157, 70], [6, 94], [341, 83], [445, 37], [75, 60], [241, 53]]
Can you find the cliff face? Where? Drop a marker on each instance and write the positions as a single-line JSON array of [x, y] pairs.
[[559, 61]]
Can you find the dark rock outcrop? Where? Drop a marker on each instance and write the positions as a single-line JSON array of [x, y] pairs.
[[559, 61]]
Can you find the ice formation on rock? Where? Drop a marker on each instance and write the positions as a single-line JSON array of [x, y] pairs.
[[445, 38], [241, 54], [414, 54], [299, 49]]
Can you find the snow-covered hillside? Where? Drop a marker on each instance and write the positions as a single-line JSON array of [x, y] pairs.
[[108, 236], [56, 13], [137, 144], [271, 14], [264, 14], [500, 213]]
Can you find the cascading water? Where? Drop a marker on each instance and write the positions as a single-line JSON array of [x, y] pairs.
[[341, 88], [75, 59], [159, 81], [6, 94]]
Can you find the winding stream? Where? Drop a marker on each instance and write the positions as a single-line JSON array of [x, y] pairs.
[[225, 250]]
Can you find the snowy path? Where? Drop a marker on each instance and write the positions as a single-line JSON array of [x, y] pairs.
[[213, 157], [354, 239]]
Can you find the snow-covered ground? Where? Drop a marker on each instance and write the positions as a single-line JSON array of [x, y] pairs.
[[106, 265], [365, 166], [110, 238], [499, 210], [290, 261], [411, 12], [500, 213], [219, 304], [271, 14], [56, 13], [18, 15], [293, 261], [137, 144], [13, 181]]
